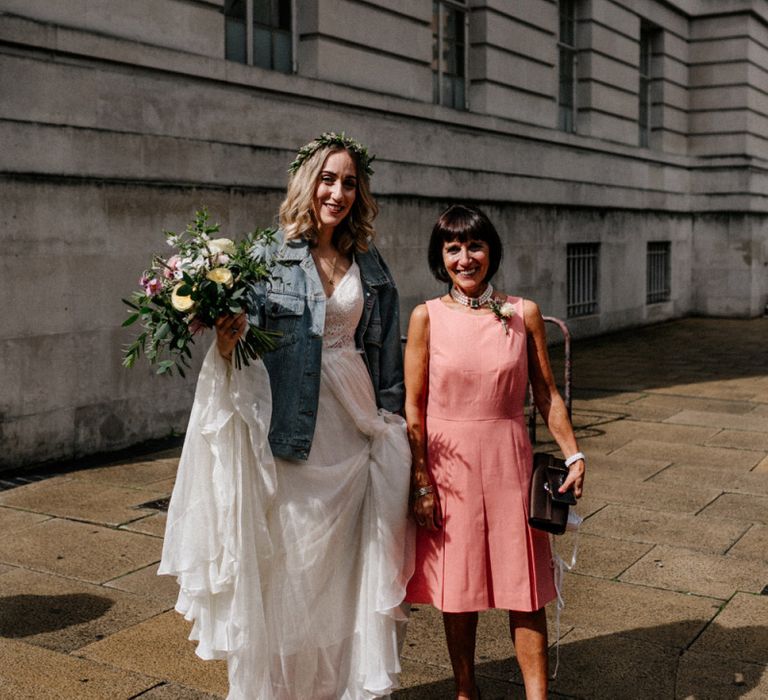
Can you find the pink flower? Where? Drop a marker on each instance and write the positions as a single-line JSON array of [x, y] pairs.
[[152, 285], [169, 272]]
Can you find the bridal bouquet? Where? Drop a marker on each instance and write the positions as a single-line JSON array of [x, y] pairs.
[[204, 278]]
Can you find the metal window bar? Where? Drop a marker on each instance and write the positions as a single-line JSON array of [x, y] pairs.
[[582, 259], [567, 379], [658, 265]]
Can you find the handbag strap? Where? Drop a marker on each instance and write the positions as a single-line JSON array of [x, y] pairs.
[[560, 567]]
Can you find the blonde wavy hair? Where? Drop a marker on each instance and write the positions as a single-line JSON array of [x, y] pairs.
[[298, 217]]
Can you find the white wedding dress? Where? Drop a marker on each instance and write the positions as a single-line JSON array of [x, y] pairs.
[[295, 571]]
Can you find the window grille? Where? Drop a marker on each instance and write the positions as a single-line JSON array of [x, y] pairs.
[[582, 278], [566, 46], [260, 33], [658, 286], [449, 53]]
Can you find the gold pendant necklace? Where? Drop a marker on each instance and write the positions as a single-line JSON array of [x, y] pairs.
[[320, 264]]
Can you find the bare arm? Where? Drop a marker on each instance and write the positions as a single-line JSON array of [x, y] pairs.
[[546, 396], [425, 508]]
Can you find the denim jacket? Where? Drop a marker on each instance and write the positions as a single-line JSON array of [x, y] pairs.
[[293, 303]]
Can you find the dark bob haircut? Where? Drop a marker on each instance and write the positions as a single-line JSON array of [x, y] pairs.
[[462, 223]]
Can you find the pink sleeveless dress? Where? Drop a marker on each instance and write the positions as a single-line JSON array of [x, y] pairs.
[[479, 457]]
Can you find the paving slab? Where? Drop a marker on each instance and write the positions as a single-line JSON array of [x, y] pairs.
[[762, 466], [29, 672], [64, 614], [753, 545], [711, 677], [724, 421], [420, 681], [636, 409], [727, 458], [651, 495], [77, 550], [81, 500], [613, 666], [146, 583], [685, 570], [732, 390], [12, 520], [708, 534], [741, 439], [174, 691], [682, 475], [612, 466], [739, 506], [607, 607], [149, 525], [160, 647], [602, 556], [624, 431], [676, 404], [739, 631], [135, 474]]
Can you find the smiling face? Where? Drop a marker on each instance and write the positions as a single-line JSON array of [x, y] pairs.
[[336, 190], [466, 263]]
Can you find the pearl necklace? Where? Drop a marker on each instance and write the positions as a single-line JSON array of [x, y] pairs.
[[472, 302]]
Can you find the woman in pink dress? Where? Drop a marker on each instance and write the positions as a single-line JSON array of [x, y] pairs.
[[469, 358]]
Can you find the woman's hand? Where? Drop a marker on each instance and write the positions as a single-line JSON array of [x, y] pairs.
[[229, 329], [575, 479], [426, 511]]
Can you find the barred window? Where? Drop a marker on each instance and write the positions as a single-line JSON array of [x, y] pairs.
[[658, 286], [566, 46], [582, 278], [259, 33], [449, 53]]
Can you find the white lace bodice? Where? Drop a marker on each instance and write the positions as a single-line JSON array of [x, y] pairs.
[[343, 311]]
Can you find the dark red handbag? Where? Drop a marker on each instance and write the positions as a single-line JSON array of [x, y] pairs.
[[547, 507]]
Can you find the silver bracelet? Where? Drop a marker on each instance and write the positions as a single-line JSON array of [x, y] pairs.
[[575, 458], [423, 491]]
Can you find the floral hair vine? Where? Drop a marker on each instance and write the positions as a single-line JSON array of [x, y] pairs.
[[330, 138]]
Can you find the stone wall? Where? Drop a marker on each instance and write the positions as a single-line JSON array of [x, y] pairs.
[[115, 127]]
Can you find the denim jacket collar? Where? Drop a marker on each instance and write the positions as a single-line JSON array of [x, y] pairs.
[[371, 271]]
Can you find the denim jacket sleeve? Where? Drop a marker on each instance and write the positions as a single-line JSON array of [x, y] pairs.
[[386, 361]]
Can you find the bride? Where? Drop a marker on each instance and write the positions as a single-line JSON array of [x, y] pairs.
[[287, 527]]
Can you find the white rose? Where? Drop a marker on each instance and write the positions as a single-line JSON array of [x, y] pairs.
[[221, 245], [221, 275], [507, 310]]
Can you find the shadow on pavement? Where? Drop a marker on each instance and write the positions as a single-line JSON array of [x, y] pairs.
[[680, 352], [28, 615], [638, 664]]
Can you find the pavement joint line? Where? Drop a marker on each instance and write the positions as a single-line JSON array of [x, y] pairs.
[[127, 573], [84, 521], [662, 469], [738, 539], [638, 585]]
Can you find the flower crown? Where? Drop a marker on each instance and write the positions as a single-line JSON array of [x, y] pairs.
[[330, 138]]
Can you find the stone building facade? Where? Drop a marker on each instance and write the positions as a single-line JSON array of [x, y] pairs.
[[620, 147]]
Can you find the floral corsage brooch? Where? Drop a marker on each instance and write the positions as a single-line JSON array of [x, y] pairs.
[[503, 311]]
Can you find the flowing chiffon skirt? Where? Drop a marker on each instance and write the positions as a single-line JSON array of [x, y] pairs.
[[293, 571]]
